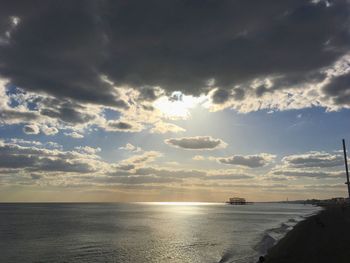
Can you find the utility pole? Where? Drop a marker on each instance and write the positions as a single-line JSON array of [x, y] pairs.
[[346, 167]]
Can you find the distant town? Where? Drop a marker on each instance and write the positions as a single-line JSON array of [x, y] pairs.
[[335, 200]]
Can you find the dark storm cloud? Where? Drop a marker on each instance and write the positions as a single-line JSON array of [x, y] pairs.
[[64, 47], [65, 110], [56, 48], [148, 93], [69, 115], [196, 143], [220, 96], [13, 115], [338, 89]]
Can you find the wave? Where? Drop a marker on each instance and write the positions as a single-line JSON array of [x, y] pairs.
[[265, 241], [271, 236]]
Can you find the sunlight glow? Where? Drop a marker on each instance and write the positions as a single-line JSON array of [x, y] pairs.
[[178, 105], [179, 203]]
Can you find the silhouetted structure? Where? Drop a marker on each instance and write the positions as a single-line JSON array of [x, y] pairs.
[[346, 167], [237, 201]]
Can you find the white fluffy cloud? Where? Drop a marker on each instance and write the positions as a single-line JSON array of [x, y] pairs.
[[49, 130], [88, 149], [198, 158], [130, 147], [74, 135], [164, 127]]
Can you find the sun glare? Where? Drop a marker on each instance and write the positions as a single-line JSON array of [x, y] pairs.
[[178, 203], [177, 105]]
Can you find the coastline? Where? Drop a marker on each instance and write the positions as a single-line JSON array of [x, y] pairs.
[[323, 237]]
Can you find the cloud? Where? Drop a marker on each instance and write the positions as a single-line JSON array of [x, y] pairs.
[[228, 176], [35, 159], [149, 93], [130, 147], [166, 172], [164, 127], [20, 141], [309, 173], [324, 187], [251, 161], [88, 149], [274, 178], [48, 113], [137, 161], [124, 167], [74, 135], [220, 96], [31, 129], [131, 180], [196, 143], [10, 116], [67, 111], [49, 130], [313, 159], [338, 89], [108, 44], [198, 158], [124, 126]]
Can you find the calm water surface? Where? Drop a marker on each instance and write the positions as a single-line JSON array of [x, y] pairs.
[[142, 232]]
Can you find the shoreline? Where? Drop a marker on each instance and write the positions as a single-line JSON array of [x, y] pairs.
[[272, 236], [322, 237]]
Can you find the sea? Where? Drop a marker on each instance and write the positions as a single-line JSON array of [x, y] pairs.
[[144, 232]]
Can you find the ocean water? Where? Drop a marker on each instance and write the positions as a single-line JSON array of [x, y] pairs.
[[143, 232]]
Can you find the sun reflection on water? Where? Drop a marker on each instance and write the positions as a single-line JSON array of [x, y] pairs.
[[178, 203]]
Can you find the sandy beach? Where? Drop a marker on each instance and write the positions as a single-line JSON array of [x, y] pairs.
[[324, 237]]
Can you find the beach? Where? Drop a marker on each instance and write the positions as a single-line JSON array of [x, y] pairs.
[[324, 237]]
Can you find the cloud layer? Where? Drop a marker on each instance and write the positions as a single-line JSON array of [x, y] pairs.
[[251, 161], [314, 159], [80, 50], [196, 143]]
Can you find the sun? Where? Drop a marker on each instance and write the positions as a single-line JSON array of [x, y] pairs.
[[177, 106]]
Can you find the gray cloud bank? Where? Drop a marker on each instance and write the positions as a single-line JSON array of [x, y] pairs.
[[32, 163], [64, 48], [196, 143], [314, 159], [251, 161], [33, 158]]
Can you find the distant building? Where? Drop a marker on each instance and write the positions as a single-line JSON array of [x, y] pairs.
[[338, 200]]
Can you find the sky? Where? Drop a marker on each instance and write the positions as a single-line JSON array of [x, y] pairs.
[[135, 101]]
